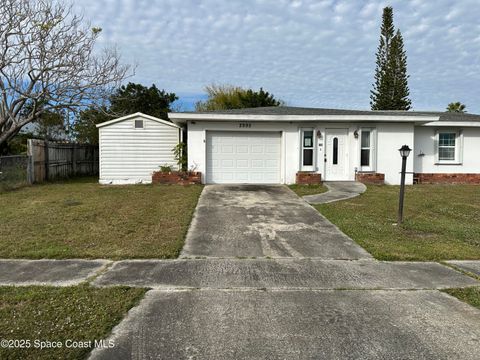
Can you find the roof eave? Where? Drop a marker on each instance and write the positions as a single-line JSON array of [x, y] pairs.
[[183, 117], [453, 124]]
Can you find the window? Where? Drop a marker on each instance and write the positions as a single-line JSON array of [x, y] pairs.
[[335, 151], [365, 148], [138, 124], [307, 148], [446, 146]]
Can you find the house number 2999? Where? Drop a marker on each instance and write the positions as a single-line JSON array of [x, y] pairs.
[[245, 125]]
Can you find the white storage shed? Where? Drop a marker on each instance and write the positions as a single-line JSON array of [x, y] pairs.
[[134, 146]]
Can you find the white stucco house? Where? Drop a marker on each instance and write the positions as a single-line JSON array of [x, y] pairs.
[[132, 147], [271, 145]]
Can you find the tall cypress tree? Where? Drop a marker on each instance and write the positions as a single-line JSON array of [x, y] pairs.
[[390, 90]]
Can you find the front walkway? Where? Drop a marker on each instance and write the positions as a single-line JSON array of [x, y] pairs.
[[337, 190]]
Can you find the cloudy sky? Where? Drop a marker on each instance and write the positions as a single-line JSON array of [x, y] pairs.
[[308, 53]]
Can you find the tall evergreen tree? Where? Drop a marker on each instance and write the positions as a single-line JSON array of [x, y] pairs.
[[398, 68], [390, 90]]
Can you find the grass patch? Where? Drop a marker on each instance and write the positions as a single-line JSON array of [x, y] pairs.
[[82, 219], [302, 190], [469, 295], [80, 313], [440, 222]]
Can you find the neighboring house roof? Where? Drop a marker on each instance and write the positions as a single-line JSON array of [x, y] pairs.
[[137, 115], [289, 113]]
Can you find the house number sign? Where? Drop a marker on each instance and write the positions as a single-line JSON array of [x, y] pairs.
[[245, 125]]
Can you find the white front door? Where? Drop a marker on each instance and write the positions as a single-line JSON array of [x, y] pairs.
[[336, 155], [243, 157]]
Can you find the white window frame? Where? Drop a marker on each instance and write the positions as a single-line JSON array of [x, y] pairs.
[[307, 167], [373, 146], [458, 160]]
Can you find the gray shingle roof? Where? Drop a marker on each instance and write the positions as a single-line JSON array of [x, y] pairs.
[[290, 110]]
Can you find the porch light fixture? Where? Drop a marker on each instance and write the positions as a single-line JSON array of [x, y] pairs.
[[319, 134], [404, 152], [355, 134]]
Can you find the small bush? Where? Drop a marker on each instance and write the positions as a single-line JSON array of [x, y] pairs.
[[165, 168]]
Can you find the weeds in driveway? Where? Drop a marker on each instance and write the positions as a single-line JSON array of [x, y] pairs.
[[469, 295]]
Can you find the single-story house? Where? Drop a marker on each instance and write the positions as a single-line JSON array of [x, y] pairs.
[[277, 145], [133, 146]]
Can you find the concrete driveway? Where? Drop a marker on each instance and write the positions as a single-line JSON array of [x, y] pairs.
[[289, 324], [321, 297], [263, 221]]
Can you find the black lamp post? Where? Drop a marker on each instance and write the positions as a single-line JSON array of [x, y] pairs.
[[404, 152]]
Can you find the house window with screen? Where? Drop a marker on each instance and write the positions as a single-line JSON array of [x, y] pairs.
[[446, 146], [307, 148]]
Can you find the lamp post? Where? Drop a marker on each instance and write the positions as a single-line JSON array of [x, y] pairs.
[[404, 152]]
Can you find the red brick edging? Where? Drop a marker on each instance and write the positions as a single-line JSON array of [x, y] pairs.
[[370, 178], [177, 177], [445, 178], [308, 178]]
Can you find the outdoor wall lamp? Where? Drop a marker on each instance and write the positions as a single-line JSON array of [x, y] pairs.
[[319, 134], [355, 134], [404, 152]]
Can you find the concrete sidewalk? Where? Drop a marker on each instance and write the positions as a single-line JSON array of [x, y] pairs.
[[469, 266], [283, 274], [210, 273], [49, 272]]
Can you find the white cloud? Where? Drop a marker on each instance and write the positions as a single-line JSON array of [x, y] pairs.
[[309, 52]]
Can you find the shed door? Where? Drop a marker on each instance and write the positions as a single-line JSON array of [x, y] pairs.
[[243, 157]]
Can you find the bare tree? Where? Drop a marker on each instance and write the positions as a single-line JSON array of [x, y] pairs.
[[48, 63]]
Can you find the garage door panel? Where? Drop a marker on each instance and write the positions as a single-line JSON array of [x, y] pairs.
[[227, 149], [242, 163], [242, 149], [272, 149], [272, 164], [257, 149], [227, 163], [243, 157], [257, 164]]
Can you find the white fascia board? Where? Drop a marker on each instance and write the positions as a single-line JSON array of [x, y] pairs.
[[182, 117], [138, 114], [453, 124]]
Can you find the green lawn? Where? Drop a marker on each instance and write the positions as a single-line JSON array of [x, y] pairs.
[[80, 313], [469, 295], [302, 190], [82, 219], [441, 222]]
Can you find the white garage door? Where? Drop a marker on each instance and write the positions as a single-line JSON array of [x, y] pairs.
[[235, 157]]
